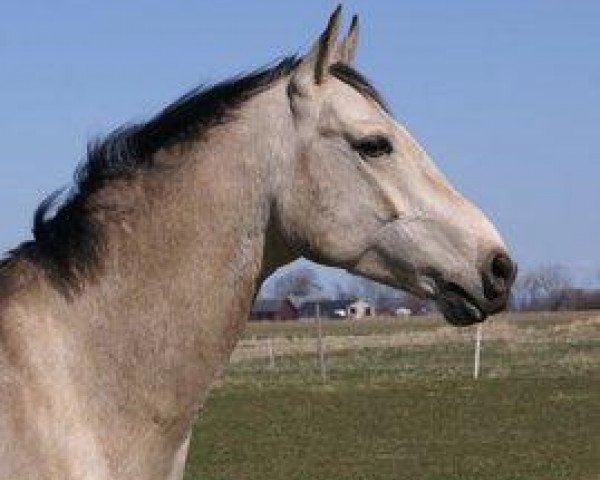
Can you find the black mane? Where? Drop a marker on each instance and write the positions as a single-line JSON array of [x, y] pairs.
[[68, 244], [131, 148], [359, 82]]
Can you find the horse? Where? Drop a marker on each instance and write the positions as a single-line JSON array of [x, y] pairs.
[[128, 301]]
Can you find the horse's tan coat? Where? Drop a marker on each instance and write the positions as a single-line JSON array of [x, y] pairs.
[[107, 385]]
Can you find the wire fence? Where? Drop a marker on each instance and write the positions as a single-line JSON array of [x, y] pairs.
[[509, 345]]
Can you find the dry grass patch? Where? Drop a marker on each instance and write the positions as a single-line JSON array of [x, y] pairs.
[[513, 331]]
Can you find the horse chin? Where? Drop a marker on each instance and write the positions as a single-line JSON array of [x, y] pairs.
[[458, 307]]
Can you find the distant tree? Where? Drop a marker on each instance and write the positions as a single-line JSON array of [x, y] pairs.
[[301, 282], [346, 290], [374, 291], [519, 294], [542, 288]]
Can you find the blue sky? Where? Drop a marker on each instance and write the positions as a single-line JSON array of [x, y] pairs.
[[505, 95]]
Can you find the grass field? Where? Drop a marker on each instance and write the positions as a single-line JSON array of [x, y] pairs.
[[400, 402]]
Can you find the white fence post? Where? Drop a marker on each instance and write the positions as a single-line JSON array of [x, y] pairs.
[[477, 365], [320, 345], [271, 353]]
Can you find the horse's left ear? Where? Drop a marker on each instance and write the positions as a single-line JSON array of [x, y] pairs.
[[347, 50], [314, 67]]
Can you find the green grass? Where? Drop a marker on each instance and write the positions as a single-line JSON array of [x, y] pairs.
[[412, 412]]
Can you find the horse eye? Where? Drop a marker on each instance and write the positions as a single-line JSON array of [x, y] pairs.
[[373, 146]]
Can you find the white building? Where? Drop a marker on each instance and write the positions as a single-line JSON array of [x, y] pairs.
[[359, 309]]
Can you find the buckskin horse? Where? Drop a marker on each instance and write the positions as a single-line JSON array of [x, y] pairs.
[[128, 301]]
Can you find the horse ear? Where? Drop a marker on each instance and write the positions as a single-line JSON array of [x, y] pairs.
[[347, 50], [314, 67]]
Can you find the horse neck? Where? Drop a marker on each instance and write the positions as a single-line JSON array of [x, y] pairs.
[[186, 267], [179, 274]]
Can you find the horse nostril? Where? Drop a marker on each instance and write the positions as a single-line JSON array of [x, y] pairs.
[[498, 276], [503, 268]]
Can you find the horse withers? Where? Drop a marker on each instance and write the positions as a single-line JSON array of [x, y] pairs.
[[127, 303]]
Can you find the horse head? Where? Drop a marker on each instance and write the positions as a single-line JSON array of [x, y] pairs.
[[360, 193]]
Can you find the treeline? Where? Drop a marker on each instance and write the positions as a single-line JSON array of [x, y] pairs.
[[551, 288], [545, 288]]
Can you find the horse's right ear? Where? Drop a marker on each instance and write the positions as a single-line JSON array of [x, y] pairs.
[[314, 67], [347, 49]]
